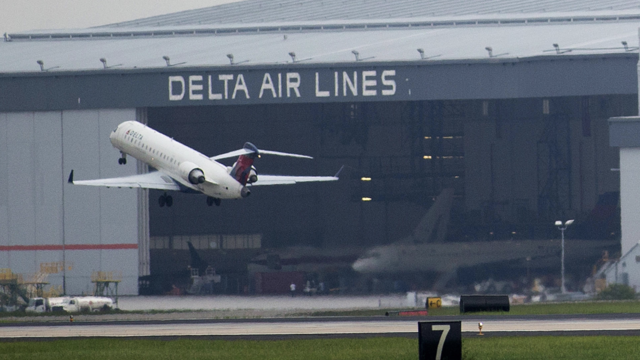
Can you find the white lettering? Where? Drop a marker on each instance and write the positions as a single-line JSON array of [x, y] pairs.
[[279, 85], [176, 79], [291, 84], [226, 79], [240, 85], [267, 84], [366, 83], [353, 86], [319, 93], [388, 82], [213, 96], [195, 87], [335, 84]]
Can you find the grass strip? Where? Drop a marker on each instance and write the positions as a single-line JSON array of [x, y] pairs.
[[548, 347], [537, 347], [122, 349]]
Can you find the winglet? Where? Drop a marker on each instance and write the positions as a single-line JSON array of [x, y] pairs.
[[339, 171], [70, 181]]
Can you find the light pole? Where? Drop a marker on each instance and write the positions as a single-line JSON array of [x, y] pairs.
[[562, 228]]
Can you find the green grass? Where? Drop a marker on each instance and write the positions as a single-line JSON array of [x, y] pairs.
[[97, 349], [591, 307], [548, 347], [542, 347]]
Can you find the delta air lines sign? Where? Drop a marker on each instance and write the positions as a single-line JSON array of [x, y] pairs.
[[283, 86]]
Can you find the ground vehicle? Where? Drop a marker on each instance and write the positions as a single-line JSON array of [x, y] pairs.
[[69, 304], [41, 305]]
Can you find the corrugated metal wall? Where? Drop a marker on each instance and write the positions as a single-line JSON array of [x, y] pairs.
[[630, 201], [40, 214]]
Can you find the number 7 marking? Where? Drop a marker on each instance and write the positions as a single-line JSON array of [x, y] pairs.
[[445, 330]]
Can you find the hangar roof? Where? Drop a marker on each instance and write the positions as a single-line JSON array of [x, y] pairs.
[[456, 50], [464, 38], [259, 11]]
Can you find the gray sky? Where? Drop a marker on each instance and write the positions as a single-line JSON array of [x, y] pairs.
[[21, 15]]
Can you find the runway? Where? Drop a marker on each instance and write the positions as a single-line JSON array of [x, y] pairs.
[[279, 317], [285, 328]]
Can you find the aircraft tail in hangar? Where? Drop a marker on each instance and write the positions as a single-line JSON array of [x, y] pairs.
[[433, 226], [196, 260]]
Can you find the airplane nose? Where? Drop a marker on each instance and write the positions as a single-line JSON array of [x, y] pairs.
[[359, 265]]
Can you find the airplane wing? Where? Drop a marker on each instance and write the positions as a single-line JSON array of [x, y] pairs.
[[152, 180], [289, 180]]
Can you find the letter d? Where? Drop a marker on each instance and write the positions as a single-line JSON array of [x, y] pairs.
[[176, 79]]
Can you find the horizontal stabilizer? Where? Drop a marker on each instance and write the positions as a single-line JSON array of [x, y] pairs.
[[289, 180], [245, 151]]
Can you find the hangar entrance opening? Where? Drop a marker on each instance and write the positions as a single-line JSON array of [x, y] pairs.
[[516, 166]]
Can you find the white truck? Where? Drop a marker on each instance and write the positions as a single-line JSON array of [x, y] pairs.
[[41, 305], [69, 304]]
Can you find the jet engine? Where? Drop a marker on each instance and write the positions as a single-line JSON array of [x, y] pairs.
[[245, 192], [253, 175], [190, 172]]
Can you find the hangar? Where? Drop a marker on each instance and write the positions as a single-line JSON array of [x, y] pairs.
[[506, 102]]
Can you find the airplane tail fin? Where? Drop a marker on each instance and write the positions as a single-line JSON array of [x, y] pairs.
[[196, 261], [243, 168], [433, 226]]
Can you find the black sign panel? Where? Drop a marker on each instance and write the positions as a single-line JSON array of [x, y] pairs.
[[297, 83], [440, 340]]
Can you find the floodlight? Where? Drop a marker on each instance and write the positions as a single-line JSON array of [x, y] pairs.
[[104, 62], [557, 47], [230, 56], [293, 56], [357, 54], [41, 63], [558, 223], [626, 46], [167, 60], [489, 50], [421, 51]]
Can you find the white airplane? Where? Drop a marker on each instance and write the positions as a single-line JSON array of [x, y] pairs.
[[181, 168], [425, 250]]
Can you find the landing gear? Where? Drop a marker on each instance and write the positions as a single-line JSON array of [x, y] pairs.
[[211, 201], [165, 200], [123, 159]]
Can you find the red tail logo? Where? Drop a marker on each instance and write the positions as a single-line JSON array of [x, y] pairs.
[[242, 168]]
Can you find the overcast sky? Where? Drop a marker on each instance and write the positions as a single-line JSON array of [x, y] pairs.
[[21, 15]]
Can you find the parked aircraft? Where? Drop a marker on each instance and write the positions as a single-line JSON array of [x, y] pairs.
[[181, 168], [432, 226], [425, 251]]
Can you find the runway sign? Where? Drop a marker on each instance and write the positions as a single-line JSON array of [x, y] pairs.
[[434, 302], [440, 340]]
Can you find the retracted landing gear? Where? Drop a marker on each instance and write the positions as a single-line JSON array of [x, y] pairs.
[[123, 159], [165, 200], [212, 200]]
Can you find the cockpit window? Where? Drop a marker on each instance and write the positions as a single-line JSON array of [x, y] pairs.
[[116, 129]]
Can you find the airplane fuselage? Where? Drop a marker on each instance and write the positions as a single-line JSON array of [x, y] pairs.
[[446, 257], [176, 160]]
